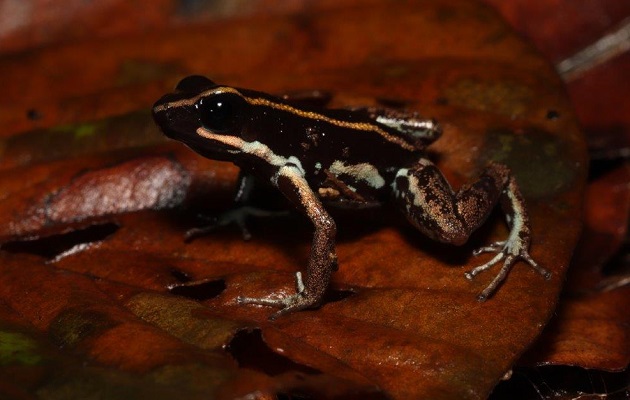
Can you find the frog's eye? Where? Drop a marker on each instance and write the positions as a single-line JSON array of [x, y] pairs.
[[221, 112]]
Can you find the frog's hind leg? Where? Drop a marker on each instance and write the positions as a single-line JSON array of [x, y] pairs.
[[435, 209]]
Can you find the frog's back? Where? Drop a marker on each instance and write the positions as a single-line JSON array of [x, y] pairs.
[[315, 134], [417, 132], [403, 128]]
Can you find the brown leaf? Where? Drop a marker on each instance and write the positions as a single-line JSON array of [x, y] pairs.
[[590, 329], [142, 308]]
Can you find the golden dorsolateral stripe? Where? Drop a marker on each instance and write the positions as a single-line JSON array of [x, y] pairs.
[[258, 101]]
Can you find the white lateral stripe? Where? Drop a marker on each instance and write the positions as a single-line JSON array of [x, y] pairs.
[[363, 171], [255, 148], [415, 128]]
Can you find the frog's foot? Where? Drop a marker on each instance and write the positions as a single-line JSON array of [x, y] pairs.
[[236, 216], [510, 252], [299, 301]]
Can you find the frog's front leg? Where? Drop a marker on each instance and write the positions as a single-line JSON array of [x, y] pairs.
[[447, 216], [238, 215], [323, 259]]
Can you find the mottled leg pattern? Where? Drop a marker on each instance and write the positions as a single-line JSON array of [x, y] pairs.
[[515, 247], [323, 259], [435, 209]]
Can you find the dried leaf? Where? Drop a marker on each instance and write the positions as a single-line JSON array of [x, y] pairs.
[[147, 311], [590, 329]]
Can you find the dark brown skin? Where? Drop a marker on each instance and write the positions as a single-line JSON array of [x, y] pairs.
[[316, 155]]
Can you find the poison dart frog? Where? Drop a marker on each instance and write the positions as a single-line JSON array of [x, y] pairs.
[[356, 157]]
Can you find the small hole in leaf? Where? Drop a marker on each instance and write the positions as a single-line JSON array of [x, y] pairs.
[[199, 290], [441, 101], [250, 351], [599, 167], [553, 115], [335, 295], [33, 114], [180, 275], [618, 266], [51, 247]]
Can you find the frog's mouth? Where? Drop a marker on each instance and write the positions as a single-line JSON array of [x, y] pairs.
[[181, 122], [176, 120], [175, 113]]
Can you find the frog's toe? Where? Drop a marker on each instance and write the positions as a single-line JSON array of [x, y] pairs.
[[493, 248], [541, 270], [509, 254], [194, 233], [299, 301], [289, 304]]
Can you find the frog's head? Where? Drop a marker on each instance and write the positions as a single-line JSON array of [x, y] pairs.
[[207, 117]]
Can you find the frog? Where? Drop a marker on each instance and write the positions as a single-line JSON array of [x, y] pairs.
[[355, 157]]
